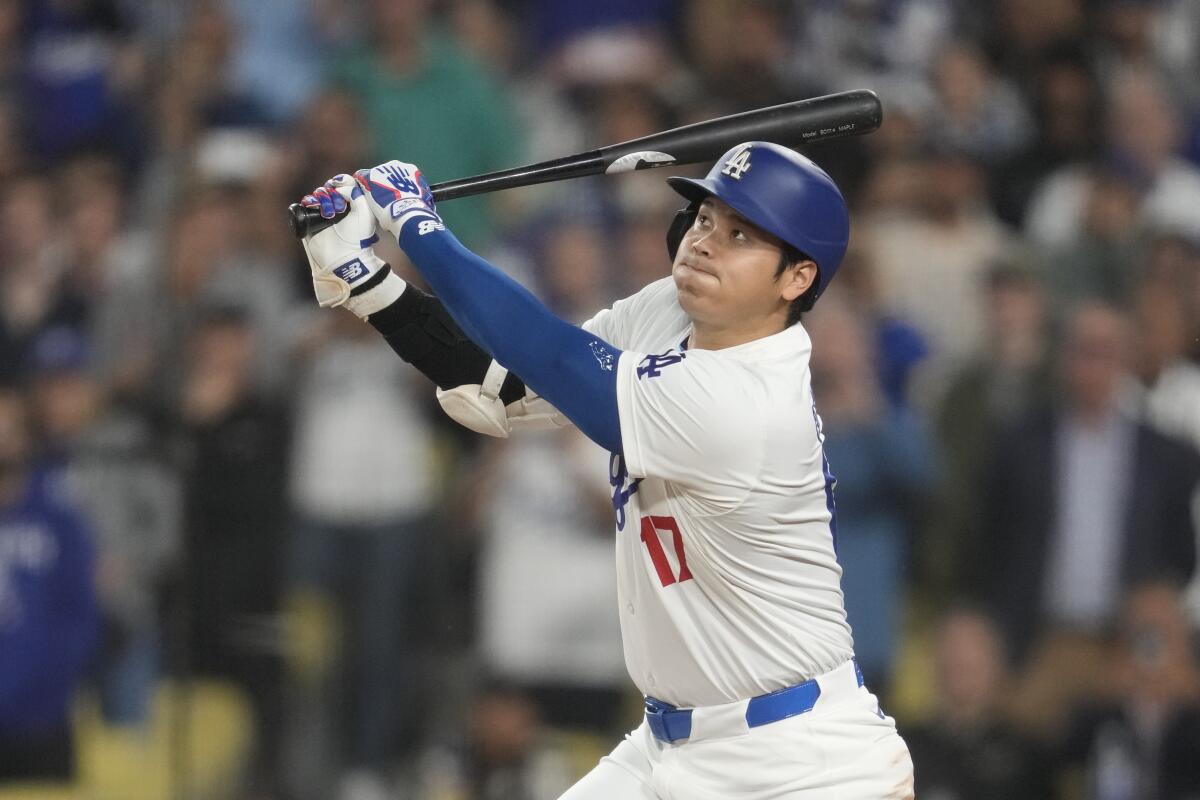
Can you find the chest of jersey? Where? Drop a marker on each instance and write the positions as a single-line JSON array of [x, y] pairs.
[[728, 584], [721, 607]]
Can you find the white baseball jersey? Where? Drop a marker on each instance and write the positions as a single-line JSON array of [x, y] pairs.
[[727, 577]]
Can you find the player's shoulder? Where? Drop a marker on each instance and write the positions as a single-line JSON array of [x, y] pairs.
[[720, 392], [644, 317], [782, 355], [768, 378], [659, 295]]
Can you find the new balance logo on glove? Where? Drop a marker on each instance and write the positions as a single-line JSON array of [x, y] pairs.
[[429, 226], [351, 270]]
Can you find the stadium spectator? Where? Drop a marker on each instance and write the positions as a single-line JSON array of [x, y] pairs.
[[409, 63], [899, 347], [1171, 383], [1174, 263], [363, 513], [842, 46], [197, 90], [969, 750], [1066, 101], [278, 49], [1140, 740], [505, 754], [1018, 34], [81, 79], [232, 570], [1102, 260], [951, 226], [1133, 35], [30, 272], [1001, 384], [536, 502], [102, 255], [977, 112], [1083, 501], [48, 620], [1143, 137], [103, 459], [750, 70]]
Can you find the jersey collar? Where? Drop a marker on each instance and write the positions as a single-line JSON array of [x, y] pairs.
[[789, 341]]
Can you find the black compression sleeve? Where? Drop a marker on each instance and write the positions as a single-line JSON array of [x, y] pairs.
[[421, 332]]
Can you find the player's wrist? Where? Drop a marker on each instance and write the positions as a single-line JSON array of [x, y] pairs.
[[397, 216], [358, 280], [384, 289]]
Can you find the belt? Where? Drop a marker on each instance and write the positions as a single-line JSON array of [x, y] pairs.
[[670, 724]]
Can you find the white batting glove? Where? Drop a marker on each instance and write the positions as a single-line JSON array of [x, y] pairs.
[[397, 193], [345, 270]]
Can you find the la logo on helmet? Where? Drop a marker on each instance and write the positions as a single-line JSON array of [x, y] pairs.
[[738, 164]]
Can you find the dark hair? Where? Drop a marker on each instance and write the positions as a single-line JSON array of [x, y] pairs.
[[788, 256]]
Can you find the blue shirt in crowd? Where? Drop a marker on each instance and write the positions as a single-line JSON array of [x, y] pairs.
[[48, 612]]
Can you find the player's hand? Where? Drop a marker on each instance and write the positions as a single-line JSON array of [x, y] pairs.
[[345, 270], [396, 193]]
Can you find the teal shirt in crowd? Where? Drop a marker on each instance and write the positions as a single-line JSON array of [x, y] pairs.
[[450, 118]]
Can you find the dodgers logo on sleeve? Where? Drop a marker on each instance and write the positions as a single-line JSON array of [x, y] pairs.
[[652, 365], [605, 357]]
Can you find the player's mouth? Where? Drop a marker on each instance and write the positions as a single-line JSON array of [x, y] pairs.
[[694, 267]]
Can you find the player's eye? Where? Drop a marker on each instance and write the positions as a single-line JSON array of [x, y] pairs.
[[739, 234], [702, 220]]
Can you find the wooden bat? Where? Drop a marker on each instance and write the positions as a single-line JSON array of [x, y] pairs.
[[792, 124]]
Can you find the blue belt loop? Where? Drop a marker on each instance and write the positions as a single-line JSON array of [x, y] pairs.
[[670, 724], [789, 702]]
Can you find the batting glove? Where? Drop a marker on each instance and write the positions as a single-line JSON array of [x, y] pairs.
[[345, 270], [397, 193]]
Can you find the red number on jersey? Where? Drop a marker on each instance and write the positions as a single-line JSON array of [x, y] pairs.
[[650, 529]]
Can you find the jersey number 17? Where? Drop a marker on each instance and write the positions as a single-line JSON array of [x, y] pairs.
[[651, 527]]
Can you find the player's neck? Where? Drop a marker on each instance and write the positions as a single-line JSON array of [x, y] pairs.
[[706, 336]]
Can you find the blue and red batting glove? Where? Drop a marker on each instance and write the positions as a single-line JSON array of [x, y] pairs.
[[398, 192], [327, 198], [395, 181]]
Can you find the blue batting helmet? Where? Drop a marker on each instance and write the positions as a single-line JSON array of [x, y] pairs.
[[783, 193]]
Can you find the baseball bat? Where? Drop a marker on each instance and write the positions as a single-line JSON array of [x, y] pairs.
[[792, 124]]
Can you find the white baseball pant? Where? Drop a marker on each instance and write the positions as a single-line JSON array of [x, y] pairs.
[[844, 748]]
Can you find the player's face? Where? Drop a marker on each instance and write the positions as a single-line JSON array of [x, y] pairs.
[[725, 272]]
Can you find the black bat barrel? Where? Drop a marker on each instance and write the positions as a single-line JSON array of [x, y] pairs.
[[791, 124]]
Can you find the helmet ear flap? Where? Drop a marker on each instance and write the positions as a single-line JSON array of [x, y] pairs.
[[684, 219]]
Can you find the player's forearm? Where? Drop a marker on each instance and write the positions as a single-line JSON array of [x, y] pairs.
[[571, 368], [420, 331]]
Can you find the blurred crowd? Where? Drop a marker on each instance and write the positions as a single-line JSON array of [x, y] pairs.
[[206, 481]]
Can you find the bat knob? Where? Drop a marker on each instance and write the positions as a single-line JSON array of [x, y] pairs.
[[306, 220]]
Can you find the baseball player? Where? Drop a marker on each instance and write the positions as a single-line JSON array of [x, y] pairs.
[[730, 602]]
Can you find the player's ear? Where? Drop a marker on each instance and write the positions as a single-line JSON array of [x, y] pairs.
[[797, 277]]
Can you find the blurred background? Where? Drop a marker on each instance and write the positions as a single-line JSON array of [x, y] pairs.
[[244, 555]]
